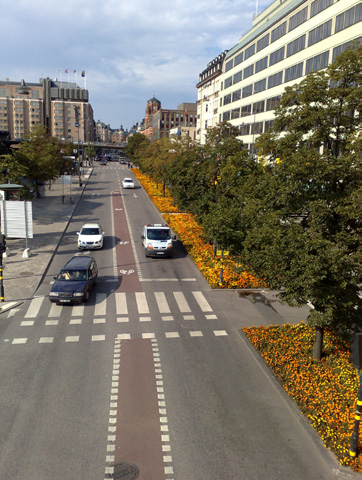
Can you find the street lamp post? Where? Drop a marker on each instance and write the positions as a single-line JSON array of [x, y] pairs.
[[76, 111]]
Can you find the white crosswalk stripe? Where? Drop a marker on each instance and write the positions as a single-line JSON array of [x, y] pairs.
[[201, 300], [100, 306], [34, 307], [142, 304], [181, 302]]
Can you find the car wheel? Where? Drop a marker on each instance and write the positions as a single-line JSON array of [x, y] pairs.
[[146, 254], [86, 298]]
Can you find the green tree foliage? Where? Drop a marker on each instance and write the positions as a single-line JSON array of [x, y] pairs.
[[11, 168], [135, 148], [301, 216], [41, 155]]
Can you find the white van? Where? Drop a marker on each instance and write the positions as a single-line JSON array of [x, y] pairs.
[[157, 240]]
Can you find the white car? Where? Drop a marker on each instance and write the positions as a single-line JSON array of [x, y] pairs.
[[127, 183], [90, 236]]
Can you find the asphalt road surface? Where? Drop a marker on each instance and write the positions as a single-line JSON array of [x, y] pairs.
[[151, 379]]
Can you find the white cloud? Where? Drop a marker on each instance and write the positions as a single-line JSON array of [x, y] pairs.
[[129, 50]]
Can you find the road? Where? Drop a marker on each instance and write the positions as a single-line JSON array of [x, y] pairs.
[[151, 379]]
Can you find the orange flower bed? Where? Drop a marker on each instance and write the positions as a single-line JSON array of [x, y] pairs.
[[191, 236], [326, 391]]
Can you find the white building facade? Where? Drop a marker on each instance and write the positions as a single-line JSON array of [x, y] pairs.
[[288, 40], [208, 90]]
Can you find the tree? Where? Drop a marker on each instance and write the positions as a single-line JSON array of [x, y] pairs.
[[301, 216], [11, 168], [41, 154], [135, 147]]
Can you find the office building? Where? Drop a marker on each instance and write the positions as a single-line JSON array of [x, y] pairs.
[[62, 107], [288, 40]]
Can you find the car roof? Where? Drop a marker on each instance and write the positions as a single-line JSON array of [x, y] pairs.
[[91, 225], [79, 261], [130, 179]]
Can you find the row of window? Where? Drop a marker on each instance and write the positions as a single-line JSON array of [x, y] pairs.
[[316, 35], [252, 109], [295, 71], [343, 20]]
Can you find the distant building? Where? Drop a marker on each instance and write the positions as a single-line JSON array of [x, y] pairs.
[[288, 40], [159, 121], [62, 107], [208, 90]]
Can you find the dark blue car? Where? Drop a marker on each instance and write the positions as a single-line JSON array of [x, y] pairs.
[[75, 281]]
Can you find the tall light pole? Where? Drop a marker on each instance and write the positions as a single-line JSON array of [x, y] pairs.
[[76, 111]]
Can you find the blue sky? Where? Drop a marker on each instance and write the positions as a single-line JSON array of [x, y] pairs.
[[130, 50]]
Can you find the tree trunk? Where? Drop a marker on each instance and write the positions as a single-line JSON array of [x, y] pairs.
[[318, 344]]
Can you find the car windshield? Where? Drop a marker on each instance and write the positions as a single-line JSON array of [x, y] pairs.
[[90, 231], [128, 180], [159, 234], [71, 275]]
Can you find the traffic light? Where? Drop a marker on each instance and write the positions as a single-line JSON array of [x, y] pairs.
[[2, 243], [356, 350]]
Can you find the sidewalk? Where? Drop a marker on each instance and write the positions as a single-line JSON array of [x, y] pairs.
[[22, 276]]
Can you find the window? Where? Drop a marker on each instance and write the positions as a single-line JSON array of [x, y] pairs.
[[227, 99], [238, 59], [257, 128], [238, 77], [298, 19], [235, 113], [228, 82], [318, 6], [245, 129], [278, 32], [249, 51], [248, 71], [338, 50], [317, 63], [260, 86], [348, 18], [226, 116], [276, 56], [236, 95], [268, 124], [276, 79], [272, 103], [245, 110], [320, 33], [262, 43], [258, 107], [296, 46], [293, 72], [229, 65], [247, 91], [261, 64]]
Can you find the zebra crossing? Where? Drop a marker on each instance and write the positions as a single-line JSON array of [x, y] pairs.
[[166, 307], [129, 308]]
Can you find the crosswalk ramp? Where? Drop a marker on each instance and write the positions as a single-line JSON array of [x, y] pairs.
[[165, 306]]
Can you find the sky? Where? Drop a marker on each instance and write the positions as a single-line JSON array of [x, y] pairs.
[[130, 50]]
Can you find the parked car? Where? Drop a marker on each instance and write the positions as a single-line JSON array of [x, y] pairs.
[[103, 161], [90, 236], [127, 183], [75, 281]]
